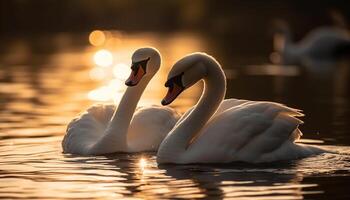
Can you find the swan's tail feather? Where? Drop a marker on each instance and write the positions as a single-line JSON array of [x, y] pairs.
[[290, 111], [296, 135], [291, 118], [273, 109]]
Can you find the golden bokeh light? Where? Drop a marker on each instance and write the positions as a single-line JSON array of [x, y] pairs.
[[97, 73], [103, 58], [112, 92], [112, 65], [97, 38], [121, 71], [116, 85], [100, 94]]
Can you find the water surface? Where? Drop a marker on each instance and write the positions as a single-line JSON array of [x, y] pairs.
[[43, 86]]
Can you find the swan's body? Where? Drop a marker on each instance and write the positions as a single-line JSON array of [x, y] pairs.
[[322, 45], [217, 131], [104, 129]]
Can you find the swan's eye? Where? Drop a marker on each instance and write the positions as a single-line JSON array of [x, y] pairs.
[[136, 65], [143, 63], [169, 83], [175, 80], [178, 80]]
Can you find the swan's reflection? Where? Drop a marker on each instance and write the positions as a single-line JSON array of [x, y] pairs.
[[241, 180], [138, 175]]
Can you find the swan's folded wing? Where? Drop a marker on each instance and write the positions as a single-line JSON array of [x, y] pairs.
[[225, 105], [85, 130], [230, 103], [149, 126], [246, 131], [102, 112], [270, 139]]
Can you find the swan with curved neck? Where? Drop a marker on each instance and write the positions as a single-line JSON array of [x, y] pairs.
[[222, 131], [321, 46], [105, 129]]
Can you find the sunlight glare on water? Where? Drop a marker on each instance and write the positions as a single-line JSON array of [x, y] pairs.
[[103, 58], [97, 73], [39, 100], [121, 71]]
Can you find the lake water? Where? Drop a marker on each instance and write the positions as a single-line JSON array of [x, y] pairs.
[[45, 82]]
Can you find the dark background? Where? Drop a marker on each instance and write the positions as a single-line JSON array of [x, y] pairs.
[[45, 16], [244, 24]]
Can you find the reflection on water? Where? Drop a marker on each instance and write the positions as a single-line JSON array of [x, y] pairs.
[[40, 97], [41, 170], [103, 58]]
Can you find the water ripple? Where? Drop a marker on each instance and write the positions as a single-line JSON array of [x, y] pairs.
[[38, 101]]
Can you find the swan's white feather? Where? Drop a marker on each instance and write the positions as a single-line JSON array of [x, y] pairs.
[[147, 128], [222, 131], [225, 104], [250, 131]]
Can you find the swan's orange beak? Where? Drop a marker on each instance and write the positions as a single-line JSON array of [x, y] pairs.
[[173, 92], [175, 88], [135, 76]]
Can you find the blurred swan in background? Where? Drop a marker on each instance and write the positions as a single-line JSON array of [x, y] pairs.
[[222, 131], [321, 47], [105, 129]]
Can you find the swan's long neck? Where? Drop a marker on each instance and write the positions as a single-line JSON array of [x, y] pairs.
[[115, 136], [181, 136]]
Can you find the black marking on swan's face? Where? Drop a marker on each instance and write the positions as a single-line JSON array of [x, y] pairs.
[[175, 86], [138, 70]]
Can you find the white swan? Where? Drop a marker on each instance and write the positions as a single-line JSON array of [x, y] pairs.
[[321, 46], [103, 129], [217, 131]]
